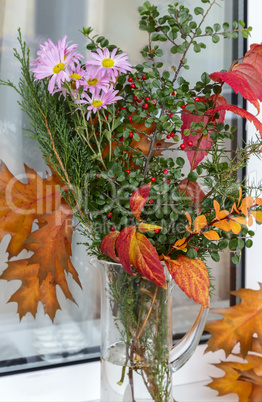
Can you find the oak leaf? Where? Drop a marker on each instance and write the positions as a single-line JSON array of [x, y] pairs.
[[230, 382], [191, 276], [22, 203], [239, 324]]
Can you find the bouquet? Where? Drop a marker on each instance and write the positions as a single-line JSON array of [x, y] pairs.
[[140, 157]]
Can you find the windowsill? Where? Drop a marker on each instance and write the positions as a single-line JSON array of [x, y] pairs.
[[80, 382]]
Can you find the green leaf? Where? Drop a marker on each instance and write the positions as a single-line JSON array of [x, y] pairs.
[[215, 256], [217, 27], [223, 244], [235, 259], [199, 10], [193, 176], [249, 243], [191, 253], [233, 244], [215, 38]]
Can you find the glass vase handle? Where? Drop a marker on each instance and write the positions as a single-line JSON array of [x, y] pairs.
[[184, 349]]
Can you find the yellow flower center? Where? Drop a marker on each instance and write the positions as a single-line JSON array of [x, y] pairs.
[[108, 63], [92, 82], [75, 76], [59, 67], [97, 103]]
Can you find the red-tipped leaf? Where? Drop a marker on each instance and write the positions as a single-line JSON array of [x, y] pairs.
[[144, 258], [191, 276], [138, 199], [123, 244], [108, 245]]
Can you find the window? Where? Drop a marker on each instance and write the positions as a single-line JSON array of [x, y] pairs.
[[74, 336]]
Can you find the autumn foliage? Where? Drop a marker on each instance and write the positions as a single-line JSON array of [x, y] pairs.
[[241, 326]]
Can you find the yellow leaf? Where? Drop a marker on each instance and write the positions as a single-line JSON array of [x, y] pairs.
[[180, 244], [234, 226], [239, 219], [146, 227], [191, 276], [224, 225], [259, 201], [257, 215], [211, 235], [246, 204], [219, 214], [199, 223]]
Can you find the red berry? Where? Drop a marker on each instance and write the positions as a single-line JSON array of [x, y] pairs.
[[135, 98], [130, 79], [147, 98], [153, 179], [171, 114], [173, 94], [143, 77], [168, 181], [190, 143], [172, 134], [182, 146], [157, 230], [197, 99], [131, 134], [158, 144], [183, 106], [128, 171], [121, 139], [132, 86], [110, 214], [168, 136], [129, 118], [165, 171], [139, 100], [123, 108], [112, 229], [145, 106]]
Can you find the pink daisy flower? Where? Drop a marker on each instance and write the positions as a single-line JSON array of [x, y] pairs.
[[53, 62], [110, 62], [95, 78], [99, 99]]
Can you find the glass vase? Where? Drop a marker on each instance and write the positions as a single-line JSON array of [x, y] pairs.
[[137, 356]]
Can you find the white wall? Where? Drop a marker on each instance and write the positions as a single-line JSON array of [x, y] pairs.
[[253, 255]]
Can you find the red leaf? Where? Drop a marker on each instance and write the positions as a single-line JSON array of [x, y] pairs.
[[238, 84], [108, 245], [252, 76], [123, 244], [138, 199], [243, 113], [206, 142], [144, 258], [254, 56], [193, 191]]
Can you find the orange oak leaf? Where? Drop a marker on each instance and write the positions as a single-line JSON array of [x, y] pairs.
[[123, 244], [144, 258], [22, 203], [191, 276], [108, 245], [51, 243], [146, 227], [31, 292], [239, 324], [231, 382], [138, 199]]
